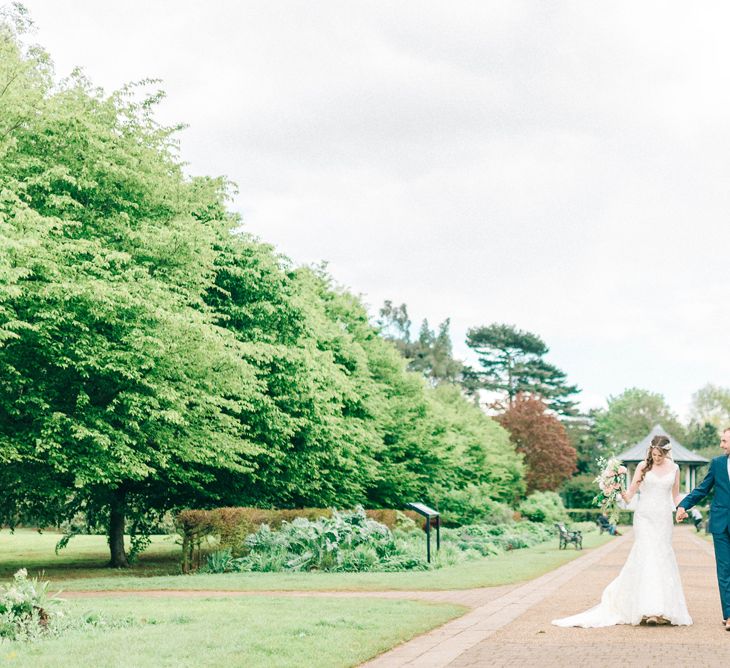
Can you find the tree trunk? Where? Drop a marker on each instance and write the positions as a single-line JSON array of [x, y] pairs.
[[117, 510]]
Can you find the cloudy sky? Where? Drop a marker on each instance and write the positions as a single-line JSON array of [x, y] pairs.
[[562, 166]]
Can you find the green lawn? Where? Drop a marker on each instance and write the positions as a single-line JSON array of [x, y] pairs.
[[80, 567], [85, 556], [241, 631]]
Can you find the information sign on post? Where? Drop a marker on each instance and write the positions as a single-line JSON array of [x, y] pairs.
[[431, 515]]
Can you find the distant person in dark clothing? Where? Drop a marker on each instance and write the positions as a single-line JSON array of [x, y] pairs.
[[607, 526]]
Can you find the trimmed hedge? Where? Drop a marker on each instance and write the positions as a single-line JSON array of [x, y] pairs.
[[230, 526], [591, 515]]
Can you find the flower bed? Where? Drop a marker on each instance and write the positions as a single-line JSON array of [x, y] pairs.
[[228, 527], [351, 541]]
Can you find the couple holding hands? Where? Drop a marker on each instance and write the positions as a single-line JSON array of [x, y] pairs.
[[649, 589]]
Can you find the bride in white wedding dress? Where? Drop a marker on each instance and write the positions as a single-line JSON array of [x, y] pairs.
[[648, 588]]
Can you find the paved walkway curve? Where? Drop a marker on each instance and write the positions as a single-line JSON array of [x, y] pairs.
[[515, 629], [445, 644]]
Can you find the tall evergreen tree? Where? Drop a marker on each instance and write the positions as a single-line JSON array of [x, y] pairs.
[[512, 363], [430, 353]]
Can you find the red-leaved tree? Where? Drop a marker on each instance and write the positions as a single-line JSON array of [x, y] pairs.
[[542, 439]]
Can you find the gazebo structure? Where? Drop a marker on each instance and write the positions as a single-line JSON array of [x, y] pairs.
[[688, 461]]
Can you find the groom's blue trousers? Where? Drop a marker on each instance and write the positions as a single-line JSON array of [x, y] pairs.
[[722, 559]]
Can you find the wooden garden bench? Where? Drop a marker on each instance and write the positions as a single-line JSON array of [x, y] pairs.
[[567, 537]]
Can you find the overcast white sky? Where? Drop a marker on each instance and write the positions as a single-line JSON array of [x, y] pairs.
[[563, 166]]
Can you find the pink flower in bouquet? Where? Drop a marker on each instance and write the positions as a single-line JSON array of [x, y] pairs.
[[610, 483]]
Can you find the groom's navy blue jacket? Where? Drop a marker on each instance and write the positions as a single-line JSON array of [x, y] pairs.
[[716, 477]]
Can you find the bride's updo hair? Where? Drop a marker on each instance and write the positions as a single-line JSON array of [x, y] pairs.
[[661, 442]]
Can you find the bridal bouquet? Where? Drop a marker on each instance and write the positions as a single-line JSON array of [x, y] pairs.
[[610, 485]]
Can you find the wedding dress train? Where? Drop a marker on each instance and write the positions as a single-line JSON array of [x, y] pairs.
[[649, 583]]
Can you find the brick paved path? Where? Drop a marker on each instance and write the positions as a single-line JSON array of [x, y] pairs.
[[515, 630]]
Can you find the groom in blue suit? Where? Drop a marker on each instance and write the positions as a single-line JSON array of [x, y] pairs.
[[718, 477]]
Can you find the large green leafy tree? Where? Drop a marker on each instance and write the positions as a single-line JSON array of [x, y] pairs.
[[359, 426], [582, 434], [151, 358], [704, 438], [711, 404], [119, 393], [512, 363], [394, 401], [631, 415], [315, 420], [477, 448]]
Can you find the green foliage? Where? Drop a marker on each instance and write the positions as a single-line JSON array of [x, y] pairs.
[[477, 449], [431, 354], [350, 542], [543, 507], [704, 438], [346, 541], [489, 540], [581, 515], [512, 362], [119, 393], [471, 505], [583, 438], [578, 491], [153, 357], [28, 613], [631, 415], [26, 610], [395, 325], [584, 527], [711, 404], [220, 561], [231, 525]]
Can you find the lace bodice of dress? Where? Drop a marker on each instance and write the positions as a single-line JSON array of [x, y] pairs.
[[655, 492]]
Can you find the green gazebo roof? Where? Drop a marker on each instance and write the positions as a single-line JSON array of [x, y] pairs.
[[680, 454]]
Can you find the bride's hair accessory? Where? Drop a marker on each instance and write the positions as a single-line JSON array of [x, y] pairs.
[[661, 442]]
